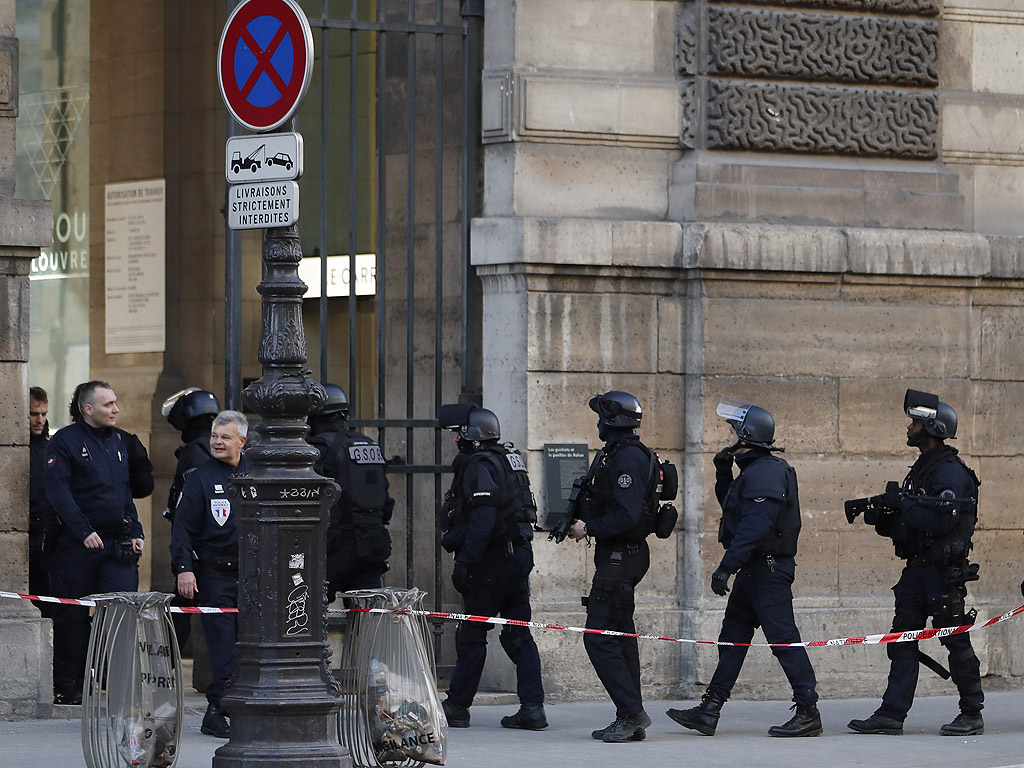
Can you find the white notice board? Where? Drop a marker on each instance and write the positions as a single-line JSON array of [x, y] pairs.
[[135, 218]]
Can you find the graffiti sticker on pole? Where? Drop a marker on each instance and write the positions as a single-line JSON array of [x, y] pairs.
[[264, 62]]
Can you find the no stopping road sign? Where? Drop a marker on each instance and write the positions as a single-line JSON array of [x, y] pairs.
[[264, 62]]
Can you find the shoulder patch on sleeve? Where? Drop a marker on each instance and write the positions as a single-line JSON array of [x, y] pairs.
[[625, 480]]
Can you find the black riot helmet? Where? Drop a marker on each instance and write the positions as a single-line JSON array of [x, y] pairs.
[[939, 418], [753, 424], [188, 404], [337, 401], [617, 409], [472, 422]]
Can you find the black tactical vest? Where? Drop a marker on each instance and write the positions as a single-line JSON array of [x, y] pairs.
[[766, 477], [357, 464]]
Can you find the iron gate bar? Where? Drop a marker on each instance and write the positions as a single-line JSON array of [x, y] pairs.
[[410, 278], [324, 202], [438, 283], [353, 135], [472, 13], [381, 275]]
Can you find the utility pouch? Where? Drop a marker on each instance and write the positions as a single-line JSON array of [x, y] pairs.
[[373, 542], [665, 521]]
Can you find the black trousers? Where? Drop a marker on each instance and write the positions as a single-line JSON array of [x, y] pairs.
[[763, 598], [77, 572], [219, 589], [498, 587], [920, 594], [610, 605]]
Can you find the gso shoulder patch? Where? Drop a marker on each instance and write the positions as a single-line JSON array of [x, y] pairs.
[[625, 480], [221, 510], [516, 462]]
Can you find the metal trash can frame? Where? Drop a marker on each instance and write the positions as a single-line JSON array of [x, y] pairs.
[[132, 698], [359, 726]]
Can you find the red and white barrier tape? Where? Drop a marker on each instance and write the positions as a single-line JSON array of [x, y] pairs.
[[881, 638], [886, 637], [91, 603]]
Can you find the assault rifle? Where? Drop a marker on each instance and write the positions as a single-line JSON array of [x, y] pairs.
[[572, 512], [888, 503]]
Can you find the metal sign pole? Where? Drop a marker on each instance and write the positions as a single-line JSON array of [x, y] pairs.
[[283, 702]]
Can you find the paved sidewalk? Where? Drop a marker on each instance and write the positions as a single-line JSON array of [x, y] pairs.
[[741, 739]]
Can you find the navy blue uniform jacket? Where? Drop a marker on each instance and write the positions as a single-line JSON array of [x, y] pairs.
[[87, 481], [205, 521]]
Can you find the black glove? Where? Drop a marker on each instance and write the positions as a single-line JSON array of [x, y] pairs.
[[720, 582], [723, 459], [1022, 589], [460, 577], [890, 500]]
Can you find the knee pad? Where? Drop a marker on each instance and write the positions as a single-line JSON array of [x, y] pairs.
[[512, 641]]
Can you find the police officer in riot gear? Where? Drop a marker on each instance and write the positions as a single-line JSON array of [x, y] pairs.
[[190, 411], [930, 520], [204, 553], [358, 542], [759, 528], [616, 492], [488, 519]]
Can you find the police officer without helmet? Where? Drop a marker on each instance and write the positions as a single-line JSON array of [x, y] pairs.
[[100, 540], [488, 519], [204, 553], [618, 486], [358, 542], [930, 519], [759, 529], [140, 468]]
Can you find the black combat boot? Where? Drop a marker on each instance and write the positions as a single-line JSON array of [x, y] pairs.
[[703, 718], [530, 717], [964, 724], [877, 724], [806, 722], [214, 722], [631, 728], [456, 714]]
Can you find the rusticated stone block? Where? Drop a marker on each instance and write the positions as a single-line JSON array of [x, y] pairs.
[[14, 561], [999, 496], [822, 47], [998, 418], [871, 418], [14, 429], [1001, 352], [14, 468], [14, 312], [818, 338], [822, 119], [789, 400], [913, 252], [559, 411], [624, 338], [999, 579]]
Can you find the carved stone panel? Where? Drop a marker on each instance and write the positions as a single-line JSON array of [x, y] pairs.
[[821, 119], [903, 7], [822, 47]]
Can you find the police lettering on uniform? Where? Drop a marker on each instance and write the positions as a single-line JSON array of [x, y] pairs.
[[358, 542], [204, 553], [759, 529], [615, 505], [488, 518], [930, 519], [100, 540]]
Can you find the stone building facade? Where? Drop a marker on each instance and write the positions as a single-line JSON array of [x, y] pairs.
[[814, 204]]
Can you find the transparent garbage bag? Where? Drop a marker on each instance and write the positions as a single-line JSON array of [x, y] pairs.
[[391, 714], [132, 698]]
